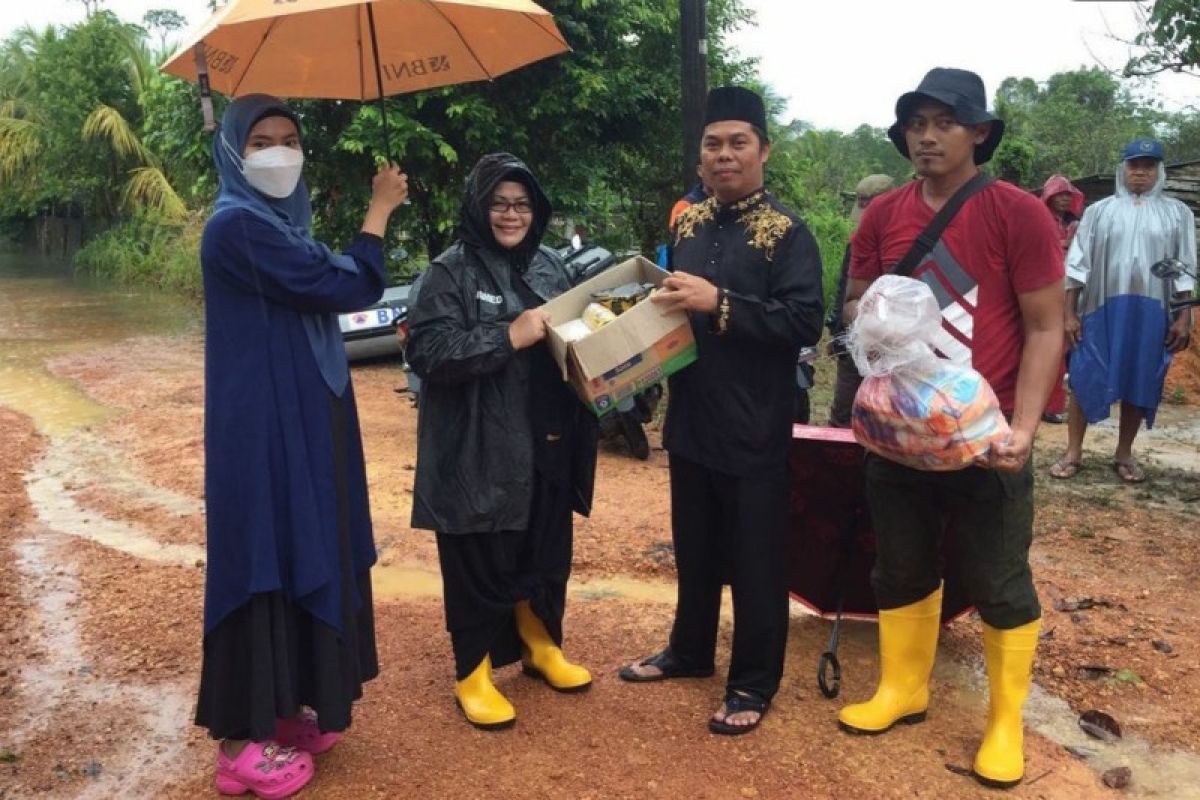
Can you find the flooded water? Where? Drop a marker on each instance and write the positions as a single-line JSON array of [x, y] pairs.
[[65, 685], [403, 581], [1158, 772], [47, 311]]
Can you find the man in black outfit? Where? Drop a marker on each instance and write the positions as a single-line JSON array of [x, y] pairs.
[[748, 273]]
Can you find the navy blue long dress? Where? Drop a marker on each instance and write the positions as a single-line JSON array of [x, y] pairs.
[[288, 617]]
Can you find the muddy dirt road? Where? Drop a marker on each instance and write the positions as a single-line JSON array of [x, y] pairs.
[[101, 573]]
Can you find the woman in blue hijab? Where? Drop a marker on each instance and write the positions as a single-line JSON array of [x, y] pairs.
[[288, 623]]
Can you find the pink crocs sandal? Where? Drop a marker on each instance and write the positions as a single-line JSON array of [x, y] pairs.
[[265, 768], [302, 733]]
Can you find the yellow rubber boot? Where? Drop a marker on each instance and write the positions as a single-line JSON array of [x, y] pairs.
[[907, 645], [543, 659], [480, 700], [1000, 762]]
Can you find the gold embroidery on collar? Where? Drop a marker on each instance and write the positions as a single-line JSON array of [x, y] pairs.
[[693, 216], [766, 226], [746, 202]]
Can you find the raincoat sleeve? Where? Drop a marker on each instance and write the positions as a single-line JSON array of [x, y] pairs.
[[792, 312], [1079, 255], [443, 347], [1186, 248], [305, 276]]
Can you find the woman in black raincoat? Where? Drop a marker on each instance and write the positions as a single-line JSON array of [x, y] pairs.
[[505, 450]]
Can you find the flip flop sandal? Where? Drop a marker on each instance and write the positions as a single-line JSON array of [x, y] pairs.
[[668, 666], [270, 771], [736, 702], [1065, 470], [1129, 471], [302, 733]]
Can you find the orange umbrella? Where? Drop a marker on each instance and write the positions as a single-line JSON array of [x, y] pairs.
[[323, 48], [363, 49]]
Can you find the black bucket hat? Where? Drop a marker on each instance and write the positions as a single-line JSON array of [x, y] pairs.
[[963, 92]]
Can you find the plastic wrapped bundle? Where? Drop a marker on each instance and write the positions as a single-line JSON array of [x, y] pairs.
[[913, 407]]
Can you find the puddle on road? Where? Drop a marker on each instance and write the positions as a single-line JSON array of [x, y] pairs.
[[64, 685], [55, 405], [75, 460], [43, 316], [1158, 772], [1174, 441], [46, 311], [410, 581], [405, 582]]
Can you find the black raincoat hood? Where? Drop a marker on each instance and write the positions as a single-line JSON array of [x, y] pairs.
[[474, 227]]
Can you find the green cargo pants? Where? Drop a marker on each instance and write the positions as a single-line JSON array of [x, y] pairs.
[[991, 514]]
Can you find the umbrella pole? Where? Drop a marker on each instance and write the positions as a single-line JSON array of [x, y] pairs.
[[387, 137], [206, 104]]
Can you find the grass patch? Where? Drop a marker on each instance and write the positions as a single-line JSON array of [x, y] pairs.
[[148, 250]]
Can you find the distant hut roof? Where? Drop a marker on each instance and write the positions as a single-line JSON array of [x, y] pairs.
[[1183, 182]]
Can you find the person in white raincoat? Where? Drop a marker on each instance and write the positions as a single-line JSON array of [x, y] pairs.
[[1118, 322]]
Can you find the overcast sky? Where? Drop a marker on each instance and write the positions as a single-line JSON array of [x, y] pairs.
[[844, 63]]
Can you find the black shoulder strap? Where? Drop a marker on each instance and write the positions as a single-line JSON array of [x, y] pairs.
[[928, 238]]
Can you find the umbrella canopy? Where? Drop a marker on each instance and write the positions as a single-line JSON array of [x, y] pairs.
[[327, 48], [831, 545]]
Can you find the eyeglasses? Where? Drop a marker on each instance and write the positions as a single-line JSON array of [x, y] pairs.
[[501, 206]]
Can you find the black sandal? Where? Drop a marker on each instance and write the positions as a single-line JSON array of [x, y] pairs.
[[668, 667], [737, 702]]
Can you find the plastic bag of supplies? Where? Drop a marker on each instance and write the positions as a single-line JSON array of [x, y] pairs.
[[913, 407]]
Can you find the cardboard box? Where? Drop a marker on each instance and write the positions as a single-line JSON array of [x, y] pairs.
[[636, 350]]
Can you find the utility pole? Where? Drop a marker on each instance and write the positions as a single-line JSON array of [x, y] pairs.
[[694, 83]]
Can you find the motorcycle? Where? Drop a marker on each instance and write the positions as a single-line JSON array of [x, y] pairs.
[[632, 413]]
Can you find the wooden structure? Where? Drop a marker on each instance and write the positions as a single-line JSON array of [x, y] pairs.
[[1183, 182]]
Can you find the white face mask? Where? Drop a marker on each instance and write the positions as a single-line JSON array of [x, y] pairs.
[[274, 171]]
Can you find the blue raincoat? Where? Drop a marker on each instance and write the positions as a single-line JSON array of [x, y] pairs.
[[273, 365], [1123, 308]]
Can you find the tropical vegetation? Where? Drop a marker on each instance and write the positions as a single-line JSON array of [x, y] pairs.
[[91, 130]]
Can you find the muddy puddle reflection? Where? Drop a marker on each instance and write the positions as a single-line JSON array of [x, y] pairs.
[[65, 685], [413, 581], [46, 311], [1158, 772]]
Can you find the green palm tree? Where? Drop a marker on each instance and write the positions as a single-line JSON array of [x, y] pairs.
[[148, 186], [22, 126]]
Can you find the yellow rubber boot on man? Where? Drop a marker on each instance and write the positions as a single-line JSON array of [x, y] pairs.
[[542, 658], [481, 701], [907, 646], [1000, 762]]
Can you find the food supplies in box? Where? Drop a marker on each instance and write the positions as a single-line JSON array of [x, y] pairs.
[[572, 330], [620, 299], [913, 407], [608, 305], [596, 316], [637, 350]]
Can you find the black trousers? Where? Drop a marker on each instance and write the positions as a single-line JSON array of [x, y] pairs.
[[485, 575], [845, 386], [730, 529], [991, 512]]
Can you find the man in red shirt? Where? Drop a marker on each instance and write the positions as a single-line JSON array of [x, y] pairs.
[[997, 273]]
